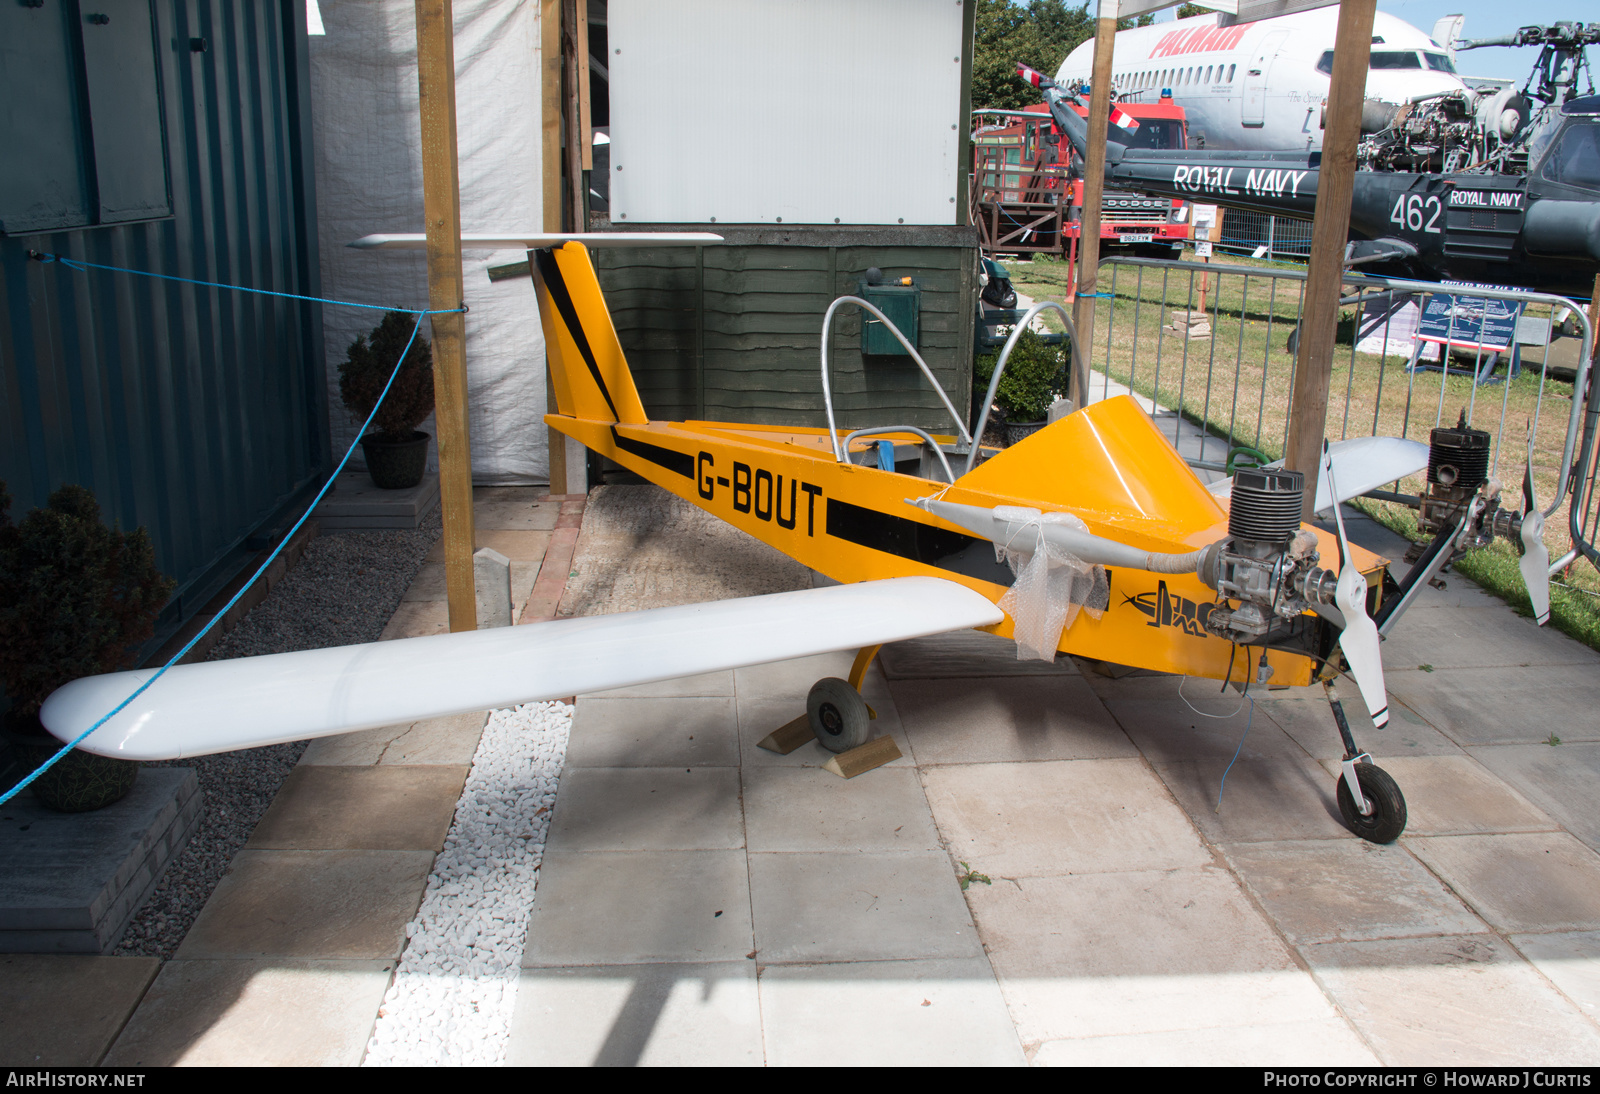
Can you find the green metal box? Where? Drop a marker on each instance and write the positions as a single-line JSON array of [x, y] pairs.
[[902, 304]]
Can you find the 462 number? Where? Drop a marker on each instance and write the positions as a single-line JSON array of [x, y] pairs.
[[1417, 213]]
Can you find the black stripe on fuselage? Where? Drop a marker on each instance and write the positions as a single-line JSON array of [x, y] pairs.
[[550, 273], [680, 462], [954, 551]]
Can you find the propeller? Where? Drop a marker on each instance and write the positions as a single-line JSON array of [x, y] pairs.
[[1535, 562], [1359, 639]]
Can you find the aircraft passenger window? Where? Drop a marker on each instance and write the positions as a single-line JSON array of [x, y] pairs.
[[1325, 63], [1576, 158], [1230, 73], [1207, 79], [1394, 59], [1439, 62]]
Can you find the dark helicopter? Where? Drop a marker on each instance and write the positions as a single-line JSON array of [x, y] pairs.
[[1507, 193]]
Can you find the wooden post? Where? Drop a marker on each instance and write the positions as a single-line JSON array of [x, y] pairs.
[[550, 169], [1094, 184], [1319, 318], [441, 205]]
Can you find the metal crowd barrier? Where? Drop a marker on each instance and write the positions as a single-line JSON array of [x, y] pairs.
[[1211, 343]]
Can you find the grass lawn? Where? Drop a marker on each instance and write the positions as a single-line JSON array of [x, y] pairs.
[[1237, 385]]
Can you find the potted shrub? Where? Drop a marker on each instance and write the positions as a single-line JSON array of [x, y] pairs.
[[1036, 374], [397, 454], [76, 599]]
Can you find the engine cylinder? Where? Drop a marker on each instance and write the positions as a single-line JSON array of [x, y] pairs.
[[1458, 457], [1265, 507]]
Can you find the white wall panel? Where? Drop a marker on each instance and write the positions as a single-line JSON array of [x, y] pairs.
[[799, 111]]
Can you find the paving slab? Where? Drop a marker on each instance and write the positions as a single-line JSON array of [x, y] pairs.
[[1263, 799], [262, 1013], [805, 809], [858, 906], [964, 654], [759, 717], [356, 502], [429, 584], [1060, 817], [1328, 1042], [1511, 705], [887, 1013], [1347, 890], [1306, 717], [1561, 779], [517, 545], [793, 679], [659, 1015], [687, 732], [1454, 637], [1523, 882], [1466, 1000], [647, 809], [1455, 795], [627, 907], [1572, 962], [64, 1011], [377, 808], [513, 508], [1007, 719], [1169, 730], [1149, 951], [415, 618], [452, 740], [311, 904]]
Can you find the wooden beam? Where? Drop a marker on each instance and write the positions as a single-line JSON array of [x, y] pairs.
[[585, 120], [1094, 184], [1319, 318], [550, 170], [572, 122], [441, 205]]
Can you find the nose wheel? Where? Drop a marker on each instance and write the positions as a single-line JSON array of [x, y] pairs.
[[1369, 799]]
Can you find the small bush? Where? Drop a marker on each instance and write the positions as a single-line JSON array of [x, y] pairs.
[[76, 598], [367, 366], [1036, 373]]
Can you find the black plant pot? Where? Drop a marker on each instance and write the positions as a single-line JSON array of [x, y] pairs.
[[79, 782], [1016, 432], [396, 465]]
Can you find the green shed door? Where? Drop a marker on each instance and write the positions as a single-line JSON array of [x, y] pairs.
[[42, 179], [130, 155]]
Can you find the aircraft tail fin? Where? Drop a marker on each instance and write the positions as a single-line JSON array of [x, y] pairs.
[[587, 367]]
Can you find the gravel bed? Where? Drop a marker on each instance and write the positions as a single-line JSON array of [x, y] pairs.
[[343, 591], [455, 989]]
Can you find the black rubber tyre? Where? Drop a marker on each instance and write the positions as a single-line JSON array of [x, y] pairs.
[[838, 715], [1388, 817], [1000, 293]]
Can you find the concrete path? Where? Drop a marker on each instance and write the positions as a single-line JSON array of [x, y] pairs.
[[705, 901]]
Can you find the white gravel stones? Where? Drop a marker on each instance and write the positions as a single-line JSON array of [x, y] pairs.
[[456, 985]]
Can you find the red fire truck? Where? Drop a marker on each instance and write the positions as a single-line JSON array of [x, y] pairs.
[[1023, 169]]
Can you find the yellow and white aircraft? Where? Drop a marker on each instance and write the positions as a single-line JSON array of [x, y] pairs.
[[1172, 577]]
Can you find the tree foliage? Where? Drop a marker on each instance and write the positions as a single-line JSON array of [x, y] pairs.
[[76, 598], [1040, 35]]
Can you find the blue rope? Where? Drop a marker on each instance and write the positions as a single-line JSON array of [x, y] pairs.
[[1098, 295], [84, 267], [1248, 722], [419, 313]]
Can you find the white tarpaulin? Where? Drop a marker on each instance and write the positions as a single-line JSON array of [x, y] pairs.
[[369, 179]]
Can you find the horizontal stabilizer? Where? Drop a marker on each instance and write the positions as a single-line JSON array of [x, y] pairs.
[[1360, 464], [217, 706]]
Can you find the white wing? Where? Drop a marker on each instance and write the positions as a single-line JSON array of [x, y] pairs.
[[1359, 464], [218, 706]]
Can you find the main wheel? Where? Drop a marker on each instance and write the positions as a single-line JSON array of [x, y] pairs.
[[1388, 818], [838, 714]]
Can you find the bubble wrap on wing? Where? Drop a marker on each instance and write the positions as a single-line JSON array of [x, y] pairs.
[[1051, 584]]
